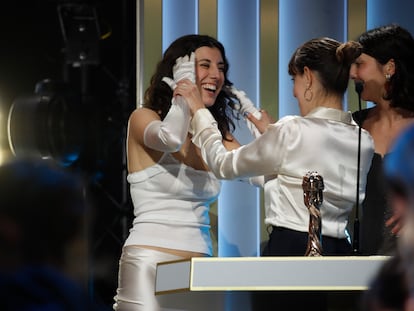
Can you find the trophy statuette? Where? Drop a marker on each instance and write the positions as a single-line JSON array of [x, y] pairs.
[[313, 186]]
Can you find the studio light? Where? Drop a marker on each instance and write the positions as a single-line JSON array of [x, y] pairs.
[[62, 119], [47, 124], [81, 33]]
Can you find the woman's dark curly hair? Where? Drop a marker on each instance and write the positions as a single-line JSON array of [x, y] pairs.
[[158, 95], [393, 42]]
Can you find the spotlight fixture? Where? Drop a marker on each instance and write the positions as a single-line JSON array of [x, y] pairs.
[[81, 34], [47, 124]]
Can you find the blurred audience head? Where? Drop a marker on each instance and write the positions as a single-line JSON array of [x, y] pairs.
[[388, 290], [399, 165], [42, 210], [43, 241]]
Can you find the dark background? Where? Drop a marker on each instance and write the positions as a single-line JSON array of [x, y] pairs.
[[33, 49]]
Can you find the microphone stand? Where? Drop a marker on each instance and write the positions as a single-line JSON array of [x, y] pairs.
[[358, 88]]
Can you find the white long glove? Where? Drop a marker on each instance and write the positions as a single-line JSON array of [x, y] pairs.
[[184, 68], [246, 106], [168, 135]]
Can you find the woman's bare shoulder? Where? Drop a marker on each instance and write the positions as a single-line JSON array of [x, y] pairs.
[[141, 117], [142, 112]]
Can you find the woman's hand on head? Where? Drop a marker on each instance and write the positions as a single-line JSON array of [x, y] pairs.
[[184, 68], [191, 94]]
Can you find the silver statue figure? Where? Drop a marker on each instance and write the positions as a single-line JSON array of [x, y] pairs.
[[313, 186]]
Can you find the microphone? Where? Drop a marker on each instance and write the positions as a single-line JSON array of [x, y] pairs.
[[359, 87]]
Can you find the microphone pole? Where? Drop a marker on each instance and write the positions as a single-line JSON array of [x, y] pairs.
[[358, 88]]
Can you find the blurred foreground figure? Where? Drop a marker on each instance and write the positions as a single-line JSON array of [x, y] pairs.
[[43, 252], [393, 286], [399, 168]]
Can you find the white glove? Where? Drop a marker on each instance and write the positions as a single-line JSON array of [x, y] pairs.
[[169, 135], [246, 106], [184, 68]]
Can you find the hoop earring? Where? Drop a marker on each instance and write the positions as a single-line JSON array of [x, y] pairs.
[[387, 86], [308, 95]]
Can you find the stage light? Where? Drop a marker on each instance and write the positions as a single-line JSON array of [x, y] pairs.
[[3, 137], [81, 33], [47, 124]]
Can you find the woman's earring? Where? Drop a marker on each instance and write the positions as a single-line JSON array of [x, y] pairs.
[[387, 85], [308, 95]]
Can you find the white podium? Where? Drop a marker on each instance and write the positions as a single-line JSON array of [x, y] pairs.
[[206, 282]]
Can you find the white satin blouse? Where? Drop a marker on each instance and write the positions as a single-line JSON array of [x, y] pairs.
[[325, 141]]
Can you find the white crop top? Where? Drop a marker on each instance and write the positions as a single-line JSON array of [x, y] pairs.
[[171, 206]]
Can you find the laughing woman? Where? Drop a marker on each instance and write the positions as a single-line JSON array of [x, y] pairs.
[[170, 185], [386, 69]]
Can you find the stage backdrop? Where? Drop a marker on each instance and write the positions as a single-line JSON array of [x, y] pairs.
[[259, 37]]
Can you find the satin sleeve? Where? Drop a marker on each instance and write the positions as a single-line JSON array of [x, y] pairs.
[[257, 181], [263, 156], [169, 135]]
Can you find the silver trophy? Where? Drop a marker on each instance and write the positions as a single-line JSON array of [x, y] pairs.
[[313, 186]]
